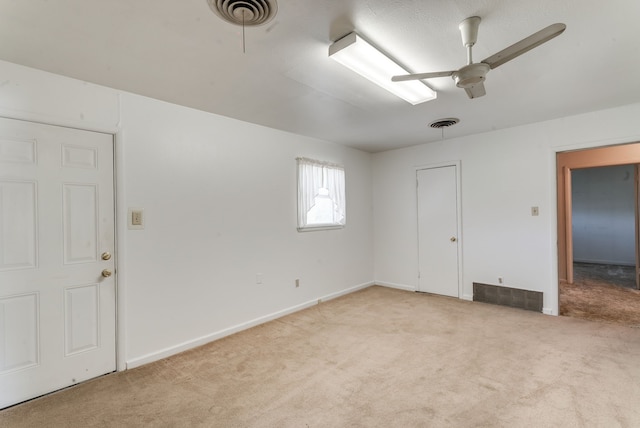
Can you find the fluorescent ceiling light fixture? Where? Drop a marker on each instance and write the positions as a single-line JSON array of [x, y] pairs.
[[355, 53]]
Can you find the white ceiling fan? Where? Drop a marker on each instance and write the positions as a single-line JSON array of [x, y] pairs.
[[471, 76]]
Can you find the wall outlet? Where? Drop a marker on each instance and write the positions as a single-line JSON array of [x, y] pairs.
[[297, 283], [500, 280], [535, 211], [135, 218], [258, 278]]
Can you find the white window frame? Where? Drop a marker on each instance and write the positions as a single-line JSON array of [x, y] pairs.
[[314, 175]]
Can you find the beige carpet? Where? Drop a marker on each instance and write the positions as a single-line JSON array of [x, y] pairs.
[[376, 358]]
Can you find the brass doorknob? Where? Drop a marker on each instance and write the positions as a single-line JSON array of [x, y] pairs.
[[453, 239], [106, 255], [106, 273]]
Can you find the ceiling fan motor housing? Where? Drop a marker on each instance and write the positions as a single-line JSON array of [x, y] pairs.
[[470, 75]]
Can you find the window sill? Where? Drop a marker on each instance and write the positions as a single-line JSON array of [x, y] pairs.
[[321, 227]]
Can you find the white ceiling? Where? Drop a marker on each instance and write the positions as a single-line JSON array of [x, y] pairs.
[[181, 52]]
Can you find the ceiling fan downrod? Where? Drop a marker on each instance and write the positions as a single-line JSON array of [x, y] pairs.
[[469, 32]]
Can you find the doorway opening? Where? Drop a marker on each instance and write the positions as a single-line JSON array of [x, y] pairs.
[[598, 234]]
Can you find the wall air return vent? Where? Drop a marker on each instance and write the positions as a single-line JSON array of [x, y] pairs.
[[507, 296]]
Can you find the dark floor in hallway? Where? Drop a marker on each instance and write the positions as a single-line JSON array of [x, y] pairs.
[[602, 293], [621, 276]]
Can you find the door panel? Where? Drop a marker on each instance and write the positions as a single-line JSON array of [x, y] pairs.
[[438, 230], [19, 319], [57, 312], [80, 223], [18, 224], [82, 321]]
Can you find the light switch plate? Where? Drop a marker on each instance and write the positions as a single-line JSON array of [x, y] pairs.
[[135, 218], [535, 211]]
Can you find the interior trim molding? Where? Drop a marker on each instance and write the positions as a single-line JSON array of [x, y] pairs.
[[397, 286], [203, 340]]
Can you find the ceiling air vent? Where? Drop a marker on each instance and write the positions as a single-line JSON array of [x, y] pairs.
[[444, 123], [245, 12]]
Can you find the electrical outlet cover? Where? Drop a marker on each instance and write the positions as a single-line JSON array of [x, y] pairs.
[[138, 215]]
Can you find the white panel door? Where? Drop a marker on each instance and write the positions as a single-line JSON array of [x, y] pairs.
[[57, 310], [438, 230]]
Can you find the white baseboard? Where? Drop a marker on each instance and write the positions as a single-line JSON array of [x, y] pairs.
[[345, 292], [468, 297], [190, 344], [603, 262], [393, 285]]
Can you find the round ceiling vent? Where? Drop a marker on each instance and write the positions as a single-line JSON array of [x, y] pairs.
[[444, 123], [245, 12]]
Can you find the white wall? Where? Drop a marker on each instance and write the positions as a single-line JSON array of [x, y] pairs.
[[220, 206], [503, 174], [603, 215], [220, 203], [219, 200]]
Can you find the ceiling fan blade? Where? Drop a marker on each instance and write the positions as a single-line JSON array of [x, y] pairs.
[[524, 45], [421, 76], [476, 90]]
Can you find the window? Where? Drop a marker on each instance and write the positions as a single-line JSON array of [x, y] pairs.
[[321, 196]]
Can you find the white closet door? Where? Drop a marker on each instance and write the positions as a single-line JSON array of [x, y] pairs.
[[438, 230]]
